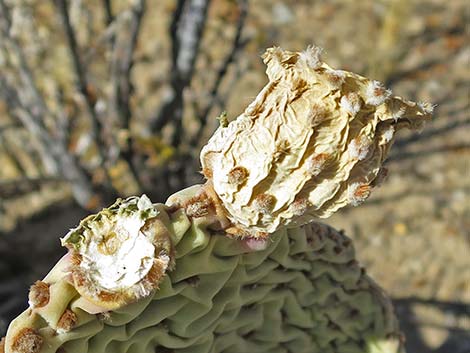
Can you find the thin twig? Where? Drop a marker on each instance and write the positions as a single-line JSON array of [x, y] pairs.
[[396, 157], [429, 133], [22, 186], [175, 46], [170, 102], [186, 33], [11, 155], [54, 151], [96, 126], [222, 98], [106, 36], [64, 120], [423, 323], [26, 75], [236, 47], [10, 126], [35, 103], [39, 135], [124, 63], [121, 79], [457, 307], [33, 121], [108, 9]]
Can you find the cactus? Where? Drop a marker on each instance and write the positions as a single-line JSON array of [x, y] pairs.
[[240, 263]]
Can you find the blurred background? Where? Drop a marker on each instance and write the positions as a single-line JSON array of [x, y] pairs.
[[109, 98]]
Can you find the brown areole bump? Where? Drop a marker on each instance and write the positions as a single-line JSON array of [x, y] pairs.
[[39, 294], [27, 340]]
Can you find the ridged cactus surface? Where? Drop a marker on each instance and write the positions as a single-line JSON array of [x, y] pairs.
[[304, 292]]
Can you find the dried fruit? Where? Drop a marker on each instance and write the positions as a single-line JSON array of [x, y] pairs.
[[316, 111], [118, 253]]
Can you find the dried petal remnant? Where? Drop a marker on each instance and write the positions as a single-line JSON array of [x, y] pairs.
[[197, 209], [335, 78], [109, 244], [428, 108], [388, 133], [157, 271], [27, 340], [380, 178], [39, 294], [198, 206]]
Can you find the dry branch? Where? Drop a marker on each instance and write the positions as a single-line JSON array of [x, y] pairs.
[[17, 187], [186, 33], [122, 61], [82, 83], [237, 46]]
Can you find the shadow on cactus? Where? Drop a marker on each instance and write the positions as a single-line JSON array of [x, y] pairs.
[[239, 264]]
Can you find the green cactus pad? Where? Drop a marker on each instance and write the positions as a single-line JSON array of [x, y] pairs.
[[304, 292]]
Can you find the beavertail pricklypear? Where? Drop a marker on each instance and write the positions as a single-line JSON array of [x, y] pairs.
[[239, 264]]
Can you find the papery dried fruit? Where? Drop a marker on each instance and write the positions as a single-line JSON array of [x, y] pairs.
[[349, 130]]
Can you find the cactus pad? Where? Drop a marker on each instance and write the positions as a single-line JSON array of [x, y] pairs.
[[234, 265], [301, 292]]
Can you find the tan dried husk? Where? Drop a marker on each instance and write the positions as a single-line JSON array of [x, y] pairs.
[[96, 229], [312, 142]]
